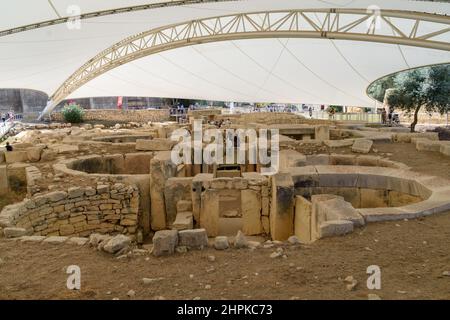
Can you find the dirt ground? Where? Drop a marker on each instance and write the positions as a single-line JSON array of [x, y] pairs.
[[412, 256]]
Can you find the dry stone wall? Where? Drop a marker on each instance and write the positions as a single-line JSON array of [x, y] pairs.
[[78, 211], [120, 115]]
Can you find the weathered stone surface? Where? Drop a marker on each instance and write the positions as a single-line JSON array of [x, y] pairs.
[[335, 228], [251, 212], [164, 242], [183, 221], [406, 137], [374, 198], [48, 155], [95, 239], [75, 192], [293, 240], [184, 206], [176, 190], [209, 215], [56, 196], [322, 133], [65, 148], [135, 163], [156, 144], [339, 143], [255, 178], [240, 241], [362, 146], [302, 222], [445, 150], [161, 169], [291, 158], [102, 188], [265, 222], [117, 243], [282, 207], [79, 241], [194, 238], [221, 243], [16, 156], [428, 145], [34, 154], [317, 159], [32, 238], [336, 208], [55, 240], [4, 187], [13, 232], [398, 199]]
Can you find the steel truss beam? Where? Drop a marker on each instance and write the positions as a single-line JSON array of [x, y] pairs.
[[102, 13], [345, 24]]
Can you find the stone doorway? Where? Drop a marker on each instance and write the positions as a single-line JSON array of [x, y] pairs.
[[230, 213]]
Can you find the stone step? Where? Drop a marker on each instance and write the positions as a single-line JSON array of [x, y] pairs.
[[183, 221], [184, 206]]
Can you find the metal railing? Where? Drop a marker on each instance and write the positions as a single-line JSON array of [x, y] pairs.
[[357, 116], [9, 124]]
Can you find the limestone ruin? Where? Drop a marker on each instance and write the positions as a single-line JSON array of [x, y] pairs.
[[95, 182]]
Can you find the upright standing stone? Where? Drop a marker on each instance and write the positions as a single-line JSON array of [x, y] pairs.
[[209, 215], [161, 168], [302, 223], [322, 133], [3, 180], [282, 207], [251, 212]]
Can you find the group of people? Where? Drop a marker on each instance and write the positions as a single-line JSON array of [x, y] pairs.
[[389, 117], [7, 116]]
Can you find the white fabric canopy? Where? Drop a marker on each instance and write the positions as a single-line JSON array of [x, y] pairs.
[[270, 70]]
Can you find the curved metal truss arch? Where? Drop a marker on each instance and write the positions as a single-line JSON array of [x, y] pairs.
[[343, 24], [103, 13]]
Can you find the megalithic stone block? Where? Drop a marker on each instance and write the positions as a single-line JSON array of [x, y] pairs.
[[3, 180], [302, 222], [209, 214], [161, 168], [282, 207]]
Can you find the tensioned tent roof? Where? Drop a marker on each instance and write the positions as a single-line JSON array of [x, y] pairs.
[[272, 69]]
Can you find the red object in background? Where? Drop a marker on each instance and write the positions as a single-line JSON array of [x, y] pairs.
[[119, 102]]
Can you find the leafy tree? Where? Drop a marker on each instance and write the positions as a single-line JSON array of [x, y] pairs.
[[427, 88], [439, 88], [73, 113]]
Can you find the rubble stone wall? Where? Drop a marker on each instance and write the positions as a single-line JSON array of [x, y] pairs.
[[79, 211], [120, 115]]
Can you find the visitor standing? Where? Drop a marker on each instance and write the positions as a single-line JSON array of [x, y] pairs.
[[310, 112], [3, 119], [383, 116], [9, 147]]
